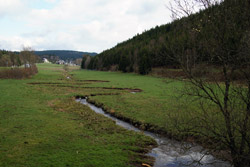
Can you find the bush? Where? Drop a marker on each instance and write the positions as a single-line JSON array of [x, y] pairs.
[[18, 73]]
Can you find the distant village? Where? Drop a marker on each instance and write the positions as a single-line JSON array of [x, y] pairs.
[[61, 62]]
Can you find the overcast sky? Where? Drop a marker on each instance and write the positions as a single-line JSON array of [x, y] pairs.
[[83, 25]]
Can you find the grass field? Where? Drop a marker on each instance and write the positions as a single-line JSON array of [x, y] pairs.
[[42, 125], [159, 100], [162, 106]]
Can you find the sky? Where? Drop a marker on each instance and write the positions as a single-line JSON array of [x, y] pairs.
[[83, 25]]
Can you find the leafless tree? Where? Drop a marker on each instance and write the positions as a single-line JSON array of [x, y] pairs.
[[78, 61], [28, 56], [224, 91], [86, 64], [184, 8]]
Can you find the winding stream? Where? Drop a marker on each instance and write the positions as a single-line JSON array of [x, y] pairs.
[[169, 153]]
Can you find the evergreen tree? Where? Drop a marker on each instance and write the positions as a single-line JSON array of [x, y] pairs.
[[144, 63], [124, 63], [83, 62]]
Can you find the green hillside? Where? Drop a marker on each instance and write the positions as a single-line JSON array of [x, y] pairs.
[[159, 46]]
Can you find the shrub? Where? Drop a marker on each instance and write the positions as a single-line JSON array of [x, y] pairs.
[[18, 73]]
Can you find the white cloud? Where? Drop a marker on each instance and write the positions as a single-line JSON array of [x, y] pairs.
[[51, 1], [14, 43], [88, 25], [11, 7]]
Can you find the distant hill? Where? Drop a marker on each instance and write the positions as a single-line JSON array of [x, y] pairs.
[[63, 54]]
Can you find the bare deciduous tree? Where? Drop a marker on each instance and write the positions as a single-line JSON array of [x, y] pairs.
[[28, 56], [184, 8], [222, 35]]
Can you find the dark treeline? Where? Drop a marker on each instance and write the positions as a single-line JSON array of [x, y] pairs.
[[157, 47], [54, 55], [27, 56]]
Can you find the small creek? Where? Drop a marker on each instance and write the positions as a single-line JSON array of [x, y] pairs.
[[169, 153]]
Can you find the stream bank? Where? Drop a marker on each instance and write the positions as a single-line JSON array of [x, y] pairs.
[[169, 153]]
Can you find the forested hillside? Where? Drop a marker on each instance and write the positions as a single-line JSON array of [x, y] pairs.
[[160, 46]]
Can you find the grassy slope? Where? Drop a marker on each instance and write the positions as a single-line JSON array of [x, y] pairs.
[[41, 125]]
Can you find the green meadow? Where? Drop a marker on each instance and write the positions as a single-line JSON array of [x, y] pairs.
[[162, 106], [156, 108], [42, 125]]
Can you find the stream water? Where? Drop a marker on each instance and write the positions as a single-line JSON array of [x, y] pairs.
[[169, 153]]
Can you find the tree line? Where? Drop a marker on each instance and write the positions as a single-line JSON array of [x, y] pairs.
[[16, 59], [25, 58]]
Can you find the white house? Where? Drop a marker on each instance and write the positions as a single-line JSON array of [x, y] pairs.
[[45, 60]]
